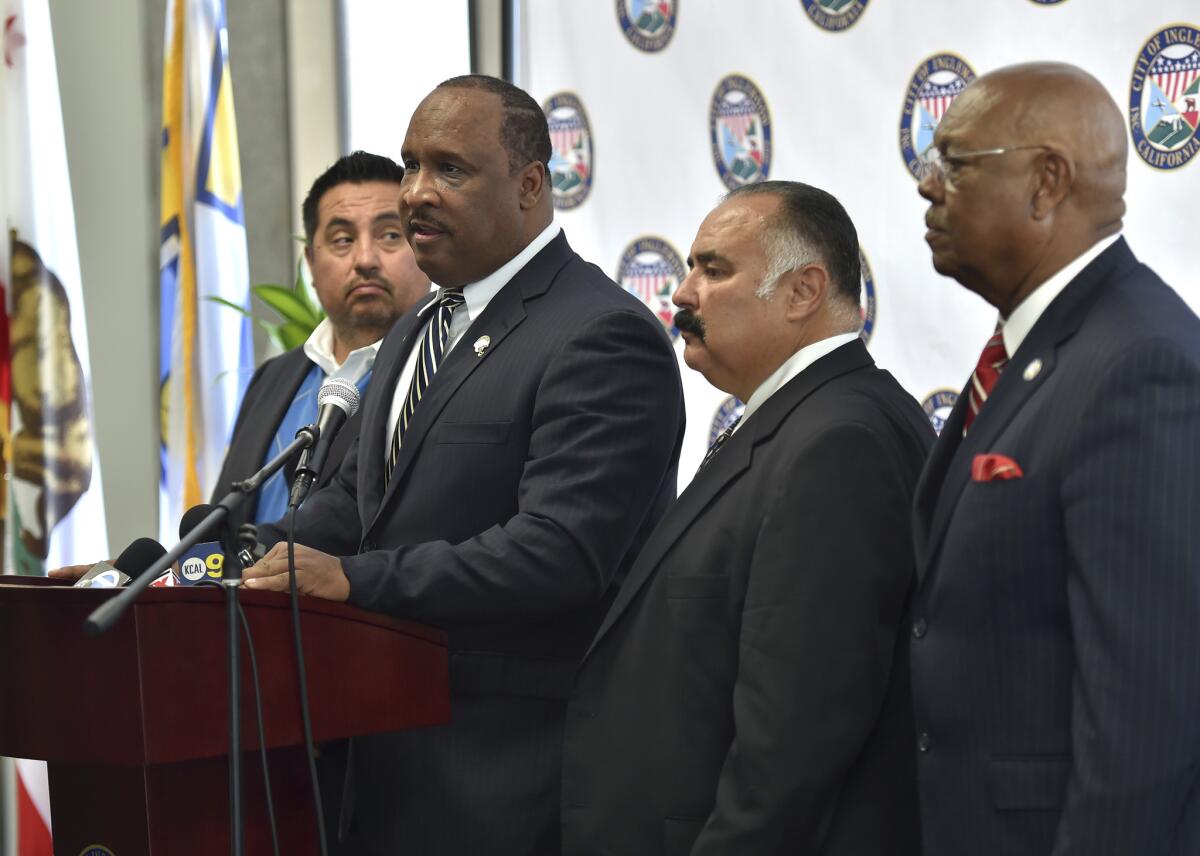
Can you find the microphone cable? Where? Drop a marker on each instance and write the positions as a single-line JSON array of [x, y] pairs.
[[258, 715], [310, 751], [262, 734]]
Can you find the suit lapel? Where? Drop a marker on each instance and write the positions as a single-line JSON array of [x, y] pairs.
[[1028, 369], [504, 313], [378, 404], [726, 466]]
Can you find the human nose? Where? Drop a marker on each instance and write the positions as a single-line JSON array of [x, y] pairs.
[[417, 190], [685, 296], [366, 253], [931, 183]]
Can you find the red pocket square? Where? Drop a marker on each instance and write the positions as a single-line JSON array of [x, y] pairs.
[[986, 468]]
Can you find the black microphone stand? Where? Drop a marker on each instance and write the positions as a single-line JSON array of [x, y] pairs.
[[106, 615]]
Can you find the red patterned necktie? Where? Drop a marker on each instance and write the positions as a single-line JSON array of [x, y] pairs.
[[983, 380]]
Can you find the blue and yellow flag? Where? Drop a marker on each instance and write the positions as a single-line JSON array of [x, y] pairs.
[[206, 352]]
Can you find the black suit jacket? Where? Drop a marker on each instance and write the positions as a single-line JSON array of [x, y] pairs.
[[746, 693], [267, 399], [528, 479], [1056, 676]]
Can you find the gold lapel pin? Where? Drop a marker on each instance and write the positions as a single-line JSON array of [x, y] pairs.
[[482, 344], [1032, 370]]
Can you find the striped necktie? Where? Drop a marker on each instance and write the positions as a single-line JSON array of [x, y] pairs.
[[433, 346], [718, 443], [983, 380]]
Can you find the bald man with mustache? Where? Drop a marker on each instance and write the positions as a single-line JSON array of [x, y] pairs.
[[1055, 646]]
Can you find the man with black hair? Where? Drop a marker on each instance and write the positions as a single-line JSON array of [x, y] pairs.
[[519, 442], [365, 278], [748, 691]]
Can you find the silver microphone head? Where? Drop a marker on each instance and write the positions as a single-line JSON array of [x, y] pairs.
[[341, 393]]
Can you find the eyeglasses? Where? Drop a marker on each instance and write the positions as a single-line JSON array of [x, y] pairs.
[[933, 164]]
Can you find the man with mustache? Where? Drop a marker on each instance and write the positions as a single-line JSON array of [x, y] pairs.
[[1056, 623], [519, 441], [365, 278], [748, 691]]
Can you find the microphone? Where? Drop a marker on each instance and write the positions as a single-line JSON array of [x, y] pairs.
[[134, 559], [338, 401], [249, 548], [205, 562]]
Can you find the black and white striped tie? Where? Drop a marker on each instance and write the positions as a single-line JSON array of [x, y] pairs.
[[722, 438], [433, 346]]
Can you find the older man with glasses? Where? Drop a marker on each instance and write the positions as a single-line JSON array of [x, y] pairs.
[[1056, 624]]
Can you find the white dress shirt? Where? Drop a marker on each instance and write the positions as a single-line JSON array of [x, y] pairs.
[[319, 349], [1016, 327], [791, 367], [477, 295]]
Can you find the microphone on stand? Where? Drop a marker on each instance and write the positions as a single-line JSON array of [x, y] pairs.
[[338, 401], [134, 559], [205, 561]]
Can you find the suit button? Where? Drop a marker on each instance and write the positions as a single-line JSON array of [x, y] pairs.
[[919, 628], [924, 743]]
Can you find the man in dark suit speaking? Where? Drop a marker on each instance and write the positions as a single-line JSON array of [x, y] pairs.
[[748, 691], [519, 441], [1057, 620]]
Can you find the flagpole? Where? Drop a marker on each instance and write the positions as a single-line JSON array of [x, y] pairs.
[[8, 806]]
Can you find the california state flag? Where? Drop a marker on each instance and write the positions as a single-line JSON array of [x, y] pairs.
[[51, 509]]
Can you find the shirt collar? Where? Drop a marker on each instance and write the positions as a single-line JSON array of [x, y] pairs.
[[319, 349], [1016, 327], [477, 295], [791, 367]]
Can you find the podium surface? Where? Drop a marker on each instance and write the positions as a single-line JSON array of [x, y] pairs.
[[134, 722]]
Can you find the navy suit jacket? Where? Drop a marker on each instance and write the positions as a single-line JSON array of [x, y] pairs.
[[528, 479], [267, 398], [1056, 650], [748, 692]]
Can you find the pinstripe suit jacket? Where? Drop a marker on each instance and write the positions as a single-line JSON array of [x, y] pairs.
[[1056, 650], [527, 481]]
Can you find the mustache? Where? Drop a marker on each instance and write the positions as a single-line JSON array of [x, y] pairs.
[[421, 216], [687, 321]]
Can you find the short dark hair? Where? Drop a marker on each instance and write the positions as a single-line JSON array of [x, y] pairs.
[[811, 216], [524, 132], [354, 168]]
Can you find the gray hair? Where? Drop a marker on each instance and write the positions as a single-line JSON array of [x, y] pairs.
[[786, 251]]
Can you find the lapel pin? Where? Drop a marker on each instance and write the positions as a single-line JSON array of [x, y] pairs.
[[482, 344], [1032, 370]]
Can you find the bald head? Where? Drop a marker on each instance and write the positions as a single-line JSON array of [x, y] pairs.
[[1034, 174], [1066, 109]]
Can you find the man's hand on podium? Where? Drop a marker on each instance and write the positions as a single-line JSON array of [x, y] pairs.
[[73, 572], [317, 574]]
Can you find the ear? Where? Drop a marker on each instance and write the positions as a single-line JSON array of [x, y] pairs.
[[1054, 176], [308, 253], [804, 291], [533, 184]]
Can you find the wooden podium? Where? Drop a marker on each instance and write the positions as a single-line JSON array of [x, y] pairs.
[[134, 723]]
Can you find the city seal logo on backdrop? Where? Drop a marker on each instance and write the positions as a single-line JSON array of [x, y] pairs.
[[1164, 97], [651, 270], [937, 406], [571, 161], [866, 299], [1047, 2], [729, 411], [834, 15], [935, 84], [648, 24], [739, 126]]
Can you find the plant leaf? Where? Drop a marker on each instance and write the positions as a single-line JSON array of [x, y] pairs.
[[291, 335], [223, 302], [285, 301]]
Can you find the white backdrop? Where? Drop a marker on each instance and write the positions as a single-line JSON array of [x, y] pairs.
[[630, 118]]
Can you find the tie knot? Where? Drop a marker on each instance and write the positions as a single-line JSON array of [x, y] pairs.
[[451, 298]]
